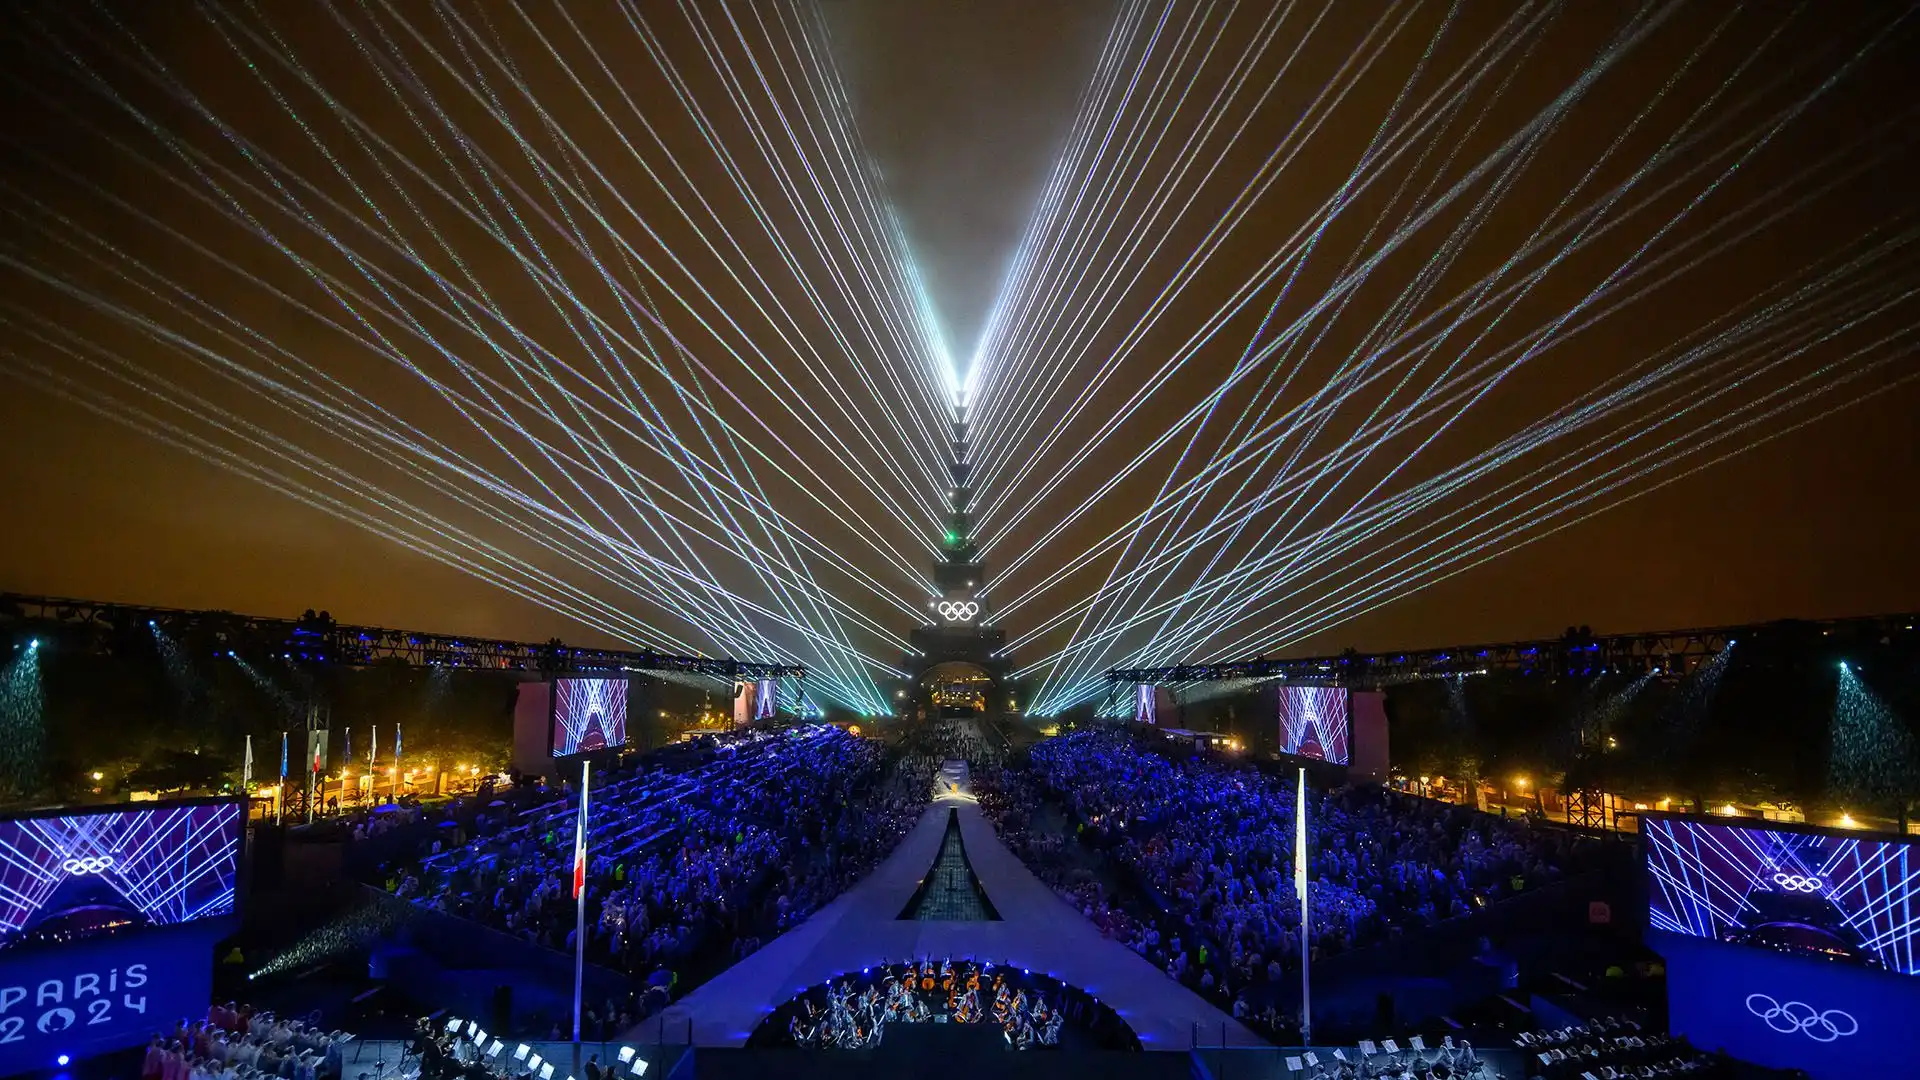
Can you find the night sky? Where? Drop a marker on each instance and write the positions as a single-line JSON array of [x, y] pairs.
[[183, 229]]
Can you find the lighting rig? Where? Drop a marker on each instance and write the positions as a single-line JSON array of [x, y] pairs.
[[317, 639], [1578, 652]]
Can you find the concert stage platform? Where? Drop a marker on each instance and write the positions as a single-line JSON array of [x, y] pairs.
[[936, 1049], [1036, 930]]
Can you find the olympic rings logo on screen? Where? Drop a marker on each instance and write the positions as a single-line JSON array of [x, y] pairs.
[[87, 864], [958, 610], [1798, 883], [1798, 1016]]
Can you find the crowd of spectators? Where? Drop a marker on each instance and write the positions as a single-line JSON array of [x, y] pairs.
[[235, 1042], [694, 862], [1014, 802], [1211, 845]]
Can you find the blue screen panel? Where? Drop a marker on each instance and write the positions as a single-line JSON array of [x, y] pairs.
[[1313, 722], [1833, 897], [102, 994], [1835, 1021], [73, 877], [589, 715]]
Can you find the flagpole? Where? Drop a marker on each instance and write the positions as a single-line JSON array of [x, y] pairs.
[[580, 905], [280, 793], [396, 763], [1300, 886], [246, 777], [313, 759]]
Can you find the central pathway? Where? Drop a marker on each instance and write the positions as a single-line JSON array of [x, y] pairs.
[[1036, 930]]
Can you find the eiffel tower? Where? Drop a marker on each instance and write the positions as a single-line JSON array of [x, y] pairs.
[[959, 644]]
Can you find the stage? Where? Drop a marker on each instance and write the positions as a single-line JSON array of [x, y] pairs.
[[1036, 930], [943, 1049]]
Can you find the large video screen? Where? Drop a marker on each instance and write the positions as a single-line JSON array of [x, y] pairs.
[[1814, 893], [96, 873], [588, 715], [91, 997], [1313, 722]]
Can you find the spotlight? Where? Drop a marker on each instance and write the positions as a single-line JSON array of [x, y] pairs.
[[1843, 665], [34, 644], [62, 1060]]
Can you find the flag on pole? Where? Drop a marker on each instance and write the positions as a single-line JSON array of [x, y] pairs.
[[283, 757], [580, 904], [580, 838], [579, 868], [246, 767], [347, 758], [373, 750]]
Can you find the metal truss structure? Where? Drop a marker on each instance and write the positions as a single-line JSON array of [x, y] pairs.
[[317, 639], [1578, 652]]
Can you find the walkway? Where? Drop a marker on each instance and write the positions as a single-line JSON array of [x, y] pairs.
[[1037, 930]]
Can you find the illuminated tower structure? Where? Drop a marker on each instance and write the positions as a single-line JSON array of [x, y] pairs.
[[959, 643]]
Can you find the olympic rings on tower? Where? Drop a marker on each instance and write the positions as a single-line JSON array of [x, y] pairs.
[[958, 611], [87, 864]]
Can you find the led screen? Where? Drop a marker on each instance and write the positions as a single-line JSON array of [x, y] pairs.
[[1313, 722], [1830, 896], [1143, 704], [73, 877], [95, 996], [1832, 1021], [588, 715]]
